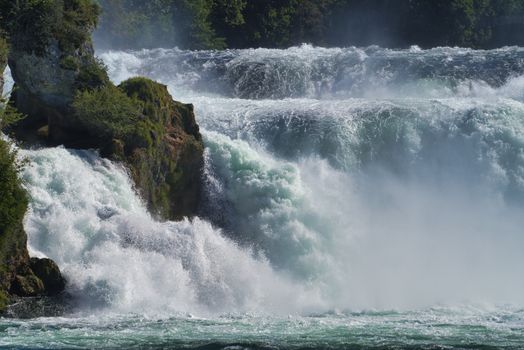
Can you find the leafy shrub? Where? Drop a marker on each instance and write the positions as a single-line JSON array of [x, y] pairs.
[[38, 22], [106, 111], [9, 115], [3, 51], [79, 18], [70, 63], [92, 75], [13, 198]]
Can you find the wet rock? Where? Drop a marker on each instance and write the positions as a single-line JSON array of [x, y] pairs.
[[27, 286], [49, 273]]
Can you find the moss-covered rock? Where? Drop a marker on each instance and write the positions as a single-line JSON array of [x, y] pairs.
[[158, 139], [13, 205], [69, 100], [165, 151], [16, 274], [3, 60], [51, 56]]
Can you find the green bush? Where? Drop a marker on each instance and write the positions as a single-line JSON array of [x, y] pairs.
[[112, 112], [92, 75], [107, 112], [78, 19], [32, 24], [13, 198], [9, 115], [70, 63], [3, 51]]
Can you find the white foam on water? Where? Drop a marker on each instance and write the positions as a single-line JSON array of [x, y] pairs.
[[344, 179], [86, 216]]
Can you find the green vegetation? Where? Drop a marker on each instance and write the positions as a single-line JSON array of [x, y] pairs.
[[32, 24], [3, 51], [139, 124], [215, 24], [107, 112], [13, 205], [78, 16], [137, 23], [4, 300], [9, 115], [91, 75]]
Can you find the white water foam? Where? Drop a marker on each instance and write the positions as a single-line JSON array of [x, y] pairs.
[[327, 201], [86, 216]]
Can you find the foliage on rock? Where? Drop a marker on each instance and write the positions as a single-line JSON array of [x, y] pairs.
[[91, 75], [13, 205], [107, 112], [139, 124], [3, 51], [33, 24]]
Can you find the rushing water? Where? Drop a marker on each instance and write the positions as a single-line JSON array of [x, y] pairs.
[[355, 198]]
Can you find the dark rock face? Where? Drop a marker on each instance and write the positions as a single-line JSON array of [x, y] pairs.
[[45, 86], [3, 61], [40, 306], [49, 273], [27, 285], [16, 269], [43, 77]]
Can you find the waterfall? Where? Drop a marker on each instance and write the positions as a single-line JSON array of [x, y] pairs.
[[335, 179]]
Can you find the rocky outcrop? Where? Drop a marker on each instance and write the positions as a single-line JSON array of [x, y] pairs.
[[48, 272], [45, 85], [158, 139], [68, 99], [3, 61], [165, 154], [51, 58], [19, 275]]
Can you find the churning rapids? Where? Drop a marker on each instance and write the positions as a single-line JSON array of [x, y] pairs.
[[364, 198]]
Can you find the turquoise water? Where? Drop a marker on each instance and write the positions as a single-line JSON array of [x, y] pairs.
[[435, 328]]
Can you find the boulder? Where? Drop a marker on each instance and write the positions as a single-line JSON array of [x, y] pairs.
[[157, 138], [27, 286], [49, 273]]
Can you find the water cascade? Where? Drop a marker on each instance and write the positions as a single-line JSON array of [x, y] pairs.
[[337, 180]]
